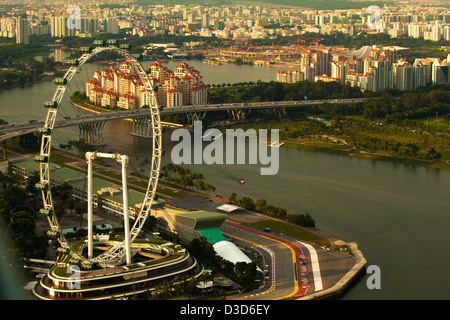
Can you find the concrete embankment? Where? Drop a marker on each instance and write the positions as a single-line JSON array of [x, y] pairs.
[[345, 281]]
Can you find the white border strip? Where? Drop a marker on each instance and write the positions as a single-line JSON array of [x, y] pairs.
[[318, 285]]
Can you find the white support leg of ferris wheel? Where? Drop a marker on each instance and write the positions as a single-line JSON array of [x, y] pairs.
[[123, 159], [89, 159], [126, 221]]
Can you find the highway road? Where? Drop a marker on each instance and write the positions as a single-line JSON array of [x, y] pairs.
[[17, 129]]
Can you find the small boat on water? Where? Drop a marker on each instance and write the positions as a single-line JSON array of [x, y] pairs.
[[276, 144], [241, 181]]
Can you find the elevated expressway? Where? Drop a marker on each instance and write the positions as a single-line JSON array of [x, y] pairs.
[[237, 110]]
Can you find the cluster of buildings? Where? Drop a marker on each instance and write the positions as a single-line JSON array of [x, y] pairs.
[[376, 69], [369, 68], [59, 26], [122, 87], [65, 26], [224, 21], [19, 28]]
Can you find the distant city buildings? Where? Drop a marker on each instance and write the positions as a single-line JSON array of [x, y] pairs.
[[86, 27], [229, 21], [377, 69], [372, 68], [123, 88]]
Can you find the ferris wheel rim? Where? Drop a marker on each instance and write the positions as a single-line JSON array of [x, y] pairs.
[[46, 145]]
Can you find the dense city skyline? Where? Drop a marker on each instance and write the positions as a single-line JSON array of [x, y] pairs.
[[224, 21]]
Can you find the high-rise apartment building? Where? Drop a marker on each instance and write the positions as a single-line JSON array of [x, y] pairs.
[[110, 25], [404, 74], [59, 28], [23, 31], [205, 20], [440, 72], [380, 75]]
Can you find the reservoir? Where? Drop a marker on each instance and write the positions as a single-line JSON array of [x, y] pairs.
[[398, 214]]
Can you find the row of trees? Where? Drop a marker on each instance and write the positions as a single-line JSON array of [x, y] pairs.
[[17, 211], [80, 145], [408, 105], [277, 91], [390, 104], [185, 177], [11, 53], [25, 72], [262, 206]]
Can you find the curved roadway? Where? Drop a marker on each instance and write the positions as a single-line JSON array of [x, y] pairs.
[[288, 272]]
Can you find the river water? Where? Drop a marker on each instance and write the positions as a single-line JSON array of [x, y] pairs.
[[398, 214]]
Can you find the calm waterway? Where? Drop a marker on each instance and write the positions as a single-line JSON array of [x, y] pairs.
[[398, 214]]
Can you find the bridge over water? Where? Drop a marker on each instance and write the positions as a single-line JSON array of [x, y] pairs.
[[90, 124]]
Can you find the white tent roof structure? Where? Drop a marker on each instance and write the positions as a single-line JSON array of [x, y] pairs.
[[230, 252], [228, 207], [205, 284]]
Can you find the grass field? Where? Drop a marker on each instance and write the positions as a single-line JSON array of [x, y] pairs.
[[436, 125], [375, 142], [290, 230]]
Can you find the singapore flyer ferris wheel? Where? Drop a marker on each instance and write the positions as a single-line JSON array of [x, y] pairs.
[[118, 252]]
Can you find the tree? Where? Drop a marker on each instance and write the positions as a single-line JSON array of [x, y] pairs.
[[186, 181], [203, 250], [80, 208], [151, 223], [63, 191], [247, 203], [30, 141], [31, 182], [15, 196], [19, 246], [302, 220], [261, 204], [82, 146], [179, 286], [23, 222], [246, 273], [432, 154], [99, 202], [5, 212]]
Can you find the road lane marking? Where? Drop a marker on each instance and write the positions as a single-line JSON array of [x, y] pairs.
[[315, 266], [294, 258]]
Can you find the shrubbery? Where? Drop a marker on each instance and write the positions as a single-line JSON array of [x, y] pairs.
[[261, 206]]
